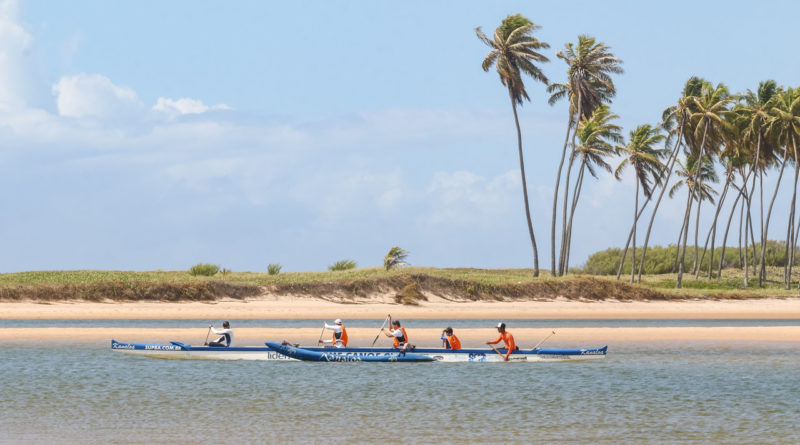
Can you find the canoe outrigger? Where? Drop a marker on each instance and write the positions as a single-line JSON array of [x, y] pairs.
[[181, 351]]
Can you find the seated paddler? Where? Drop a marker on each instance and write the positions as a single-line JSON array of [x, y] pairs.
[[226, 335], [449, 339], [339, 337], [507, 338], [397, 333]]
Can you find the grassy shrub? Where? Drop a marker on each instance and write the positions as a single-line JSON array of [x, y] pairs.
[[342, 265], [204, 269], [661, 260], [395, 257], [274, 269], [410, 295]]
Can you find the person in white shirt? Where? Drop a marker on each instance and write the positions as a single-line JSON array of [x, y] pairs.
[[339, 338], [226, 334]]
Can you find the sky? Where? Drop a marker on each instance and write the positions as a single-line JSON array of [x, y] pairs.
[[144, 135]]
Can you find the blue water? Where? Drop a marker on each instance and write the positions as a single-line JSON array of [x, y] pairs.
[[662, 392], [408, 322]]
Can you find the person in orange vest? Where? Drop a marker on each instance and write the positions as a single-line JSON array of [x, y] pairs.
[[397, 334], [450, 340], [339, 338], [507, 338]]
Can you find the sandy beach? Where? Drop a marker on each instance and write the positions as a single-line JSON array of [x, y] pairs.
[[290, 308]]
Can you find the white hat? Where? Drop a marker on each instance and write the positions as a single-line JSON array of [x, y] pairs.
[[501, 325], [337, 321]]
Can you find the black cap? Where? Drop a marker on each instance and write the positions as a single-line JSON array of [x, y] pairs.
[[226, 324], [449, 330]]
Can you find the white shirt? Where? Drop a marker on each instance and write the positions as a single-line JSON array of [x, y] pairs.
[[225, 333]]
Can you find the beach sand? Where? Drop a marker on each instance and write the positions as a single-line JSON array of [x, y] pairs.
[[290, 308]]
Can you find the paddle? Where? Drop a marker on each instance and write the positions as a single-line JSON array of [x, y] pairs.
[[551, 334], [498, 352], [321, 333], [205, 343], [380, 330]]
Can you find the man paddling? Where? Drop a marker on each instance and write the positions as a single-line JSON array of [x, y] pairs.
[[397, 333], [450, 340], [507, 338], [226, 334], [339, 338]]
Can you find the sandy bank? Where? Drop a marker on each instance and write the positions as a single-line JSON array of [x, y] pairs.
[[526, 337], [287, 308]]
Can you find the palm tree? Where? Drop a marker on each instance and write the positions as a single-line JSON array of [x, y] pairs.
[[755, 113], [514, 53], [785, 125], [695, 175], [707, 120], [675, 120], [597, 136], [590, 65], [641, 155]]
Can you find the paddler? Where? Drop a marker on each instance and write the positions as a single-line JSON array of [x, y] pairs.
[[397, 334], [339, 338], [507, 338], [450, 340], [226, 334]]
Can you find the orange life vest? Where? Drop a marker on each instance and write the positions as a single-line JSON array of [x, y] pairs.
[[405, 338], [453, 341], [342, 339]]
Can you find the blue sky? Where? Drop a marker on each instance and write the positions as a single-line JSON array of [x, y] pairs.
[[155, 135]]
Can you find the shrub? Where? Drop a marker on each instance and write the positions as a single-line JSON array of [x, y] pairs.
[[274, 269], [395, 257], [342, 265], [203, 269]]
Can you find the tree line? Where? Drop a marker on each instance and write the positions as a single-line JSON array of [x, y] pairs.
[[711, 147]]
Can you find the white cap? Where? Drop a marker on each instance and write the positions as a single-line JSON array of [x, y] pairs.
[[501, 325], [337, 321]]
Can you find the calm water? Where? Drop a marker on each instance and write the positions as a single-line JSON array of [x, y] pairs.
[[727, 392]]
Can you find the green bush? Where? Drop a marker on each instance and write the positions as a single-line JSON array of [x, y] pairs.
[[203, 269], [342, 265], [274, 269], [661, 260]]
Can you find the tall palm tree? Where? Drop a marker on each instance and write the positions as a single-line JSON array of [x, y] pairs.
[[755, 113], [675, 119], [643, 157], [597, 137], [514, 53], [707, 121], [695, 175], [785, 125], [589, 85]]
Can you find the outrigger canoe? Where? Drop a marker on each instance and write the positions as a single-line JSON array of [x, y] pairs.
[[182, 351], [334, 355]]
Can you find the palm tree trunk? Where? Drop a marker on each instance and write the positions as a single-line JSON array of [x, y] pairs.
[[696, 232], [635, 218], [671, 163], [713, 229], [576, 197], [555, 198], [769, 214], [682, 245], [794, 210], [562, 248], [630, 235], [677, 251], [725, 238], [525, 186]]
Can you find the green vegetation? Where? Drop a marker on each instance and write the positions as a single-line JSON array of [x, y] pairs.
[[204, 269], [395, 257], [342, 265], [274, 269]]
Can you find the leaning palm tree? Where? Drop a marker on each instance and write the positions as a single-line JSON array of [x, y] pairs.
[[597, 138], [675, 121], [589, 85], [514, 53], [695, 175], [643, 157]]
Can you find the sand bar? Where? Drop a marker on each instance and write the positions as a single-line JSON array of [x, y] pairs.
[[526, 337], [300, 308]]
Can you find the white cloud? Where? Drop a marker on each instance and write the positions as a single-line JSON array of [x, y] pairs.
[[185, 106], [17, 73], [93, 95]]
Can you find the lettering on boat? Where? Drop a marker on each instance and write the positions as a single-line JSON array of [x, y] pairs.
[[477, 357], [593, 352], [162, 348], [122, 346]]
